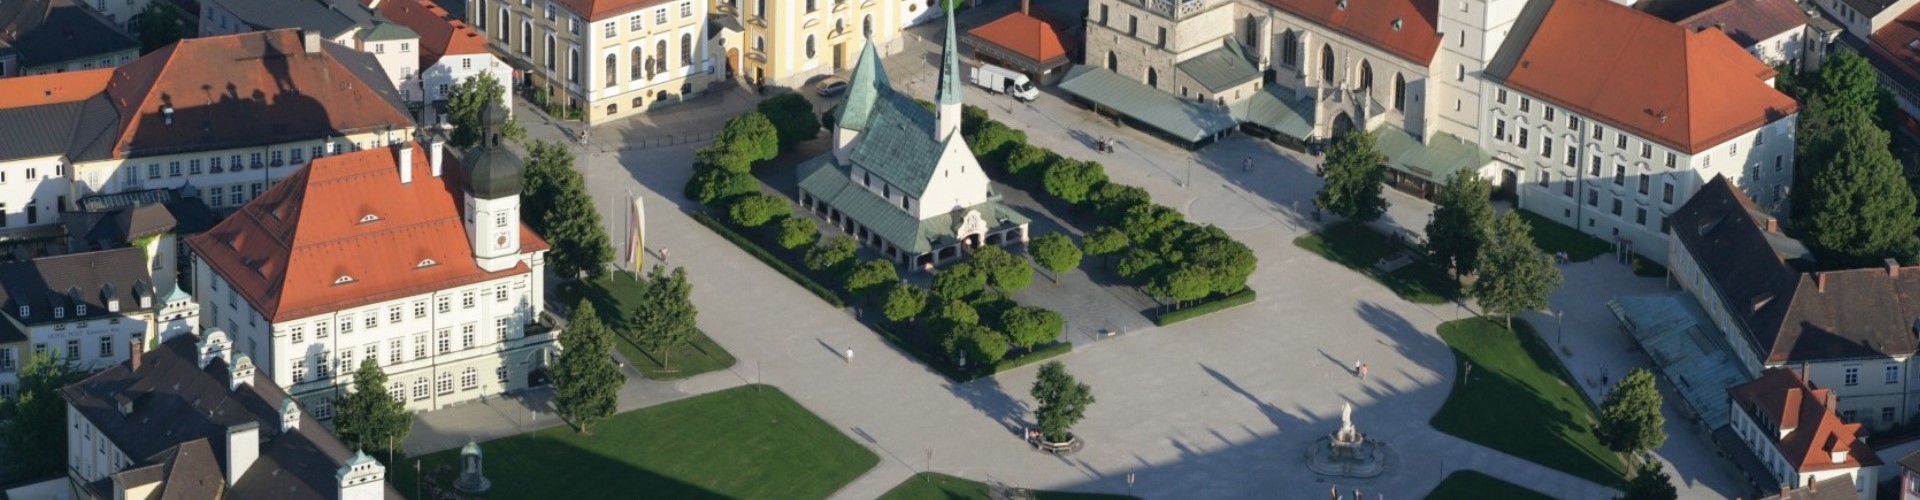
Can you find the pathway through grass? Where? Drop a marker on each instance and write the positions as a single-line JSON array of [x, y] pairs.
[[1511, 394]]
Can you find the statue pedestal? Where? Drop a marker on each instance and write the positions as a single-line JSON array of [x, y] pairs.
[[1347, 458]]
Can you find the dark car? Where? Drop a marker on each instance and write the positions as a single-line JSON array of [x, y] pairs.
[[832, 86]]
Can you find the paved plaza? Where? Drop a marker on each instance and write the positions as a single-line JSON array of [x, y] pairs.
[[1218, 407]]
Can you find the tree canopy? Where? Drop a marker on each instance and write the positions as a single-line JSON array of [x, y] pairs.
[[586, 382], [1032, 326], [959, 281], [872, 277], [1651, 482], [792, 118], [1355, 175], [464, 102], [579, 240], [369, 418], [157, 26], [1630, 418], [1862, 208], [547, 169], [1515, 275], [1056, 253], [757, 210], [35, 418], [743, 141], [665, 317], [1462, 222], [905, 301], [796, 232], [1063, 401], [831, 255], [1005, 271], [1071, 180]]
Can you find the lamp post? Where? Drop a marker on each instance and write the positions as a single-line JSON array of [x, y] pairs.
[[1559, 327]]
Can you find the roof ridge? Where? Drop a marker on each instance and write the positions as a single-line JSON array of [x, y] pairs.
[[377, 232]]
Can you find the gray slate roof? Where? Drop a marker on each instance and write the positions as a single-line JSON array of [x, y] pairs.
[[70, 280], [329, 17], [898, 144], [36, 131], [823, 179], [67, 32], [1221, 68]]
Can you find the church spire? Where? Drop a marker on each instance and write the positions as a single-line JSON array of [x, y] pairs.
[[949, 96]]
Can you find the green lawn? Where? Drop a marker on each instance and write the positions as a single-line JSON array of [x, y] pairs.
[[1517, 398], [1471, 485], [1358, 247], [1552, 237], [747, 442], [937, 486], [614, 296]]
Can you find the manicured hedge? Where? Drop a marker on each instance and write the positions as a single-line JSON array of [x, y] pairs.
[[761, 253], [1037, 355], [938, 362], [1228, 302]]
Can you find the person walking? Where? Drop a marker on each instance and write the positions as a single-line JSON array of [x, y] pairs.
[[1356, 367], [665, 256], [849, 354], [1363, 371]]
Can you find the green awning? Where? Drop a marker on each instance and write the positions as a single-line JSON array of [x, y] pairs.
[[1436, 160], [1221, 68], [1277, 109], [1181, 118]]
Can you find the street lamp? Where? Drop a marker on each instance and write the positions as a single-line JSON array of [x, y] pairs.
[[1559, 330]]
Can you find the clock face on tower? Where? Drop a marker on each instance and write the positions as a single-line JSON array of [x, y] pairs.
[[500, 242]]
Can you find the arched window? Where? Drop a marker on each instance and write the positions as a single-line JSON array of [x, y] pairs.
[[1326, 63], [866, 26], [612, 71], [613, 108], [526, 38], [1153, 78], [1290, 49], [480, 21], [573, 65], [759, 43], [659, 57], [506, 27], [1366, 75], [636, 64], [686, 49], [550, 59], [1399, 92], [1113, 63], [809, 46], [1253, 31]]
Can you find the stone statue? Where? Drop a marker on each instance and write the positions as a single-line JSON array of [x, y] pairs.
[[1346, 434], [472, 481]]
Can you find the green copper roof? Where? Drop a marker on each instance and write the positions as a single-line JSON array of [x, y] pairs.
[[388, 31], [1277, 109], [898, 144], [950, 67], [1221, 68], [869, 81], [819, 177], [1181, 118], [1435, 161]]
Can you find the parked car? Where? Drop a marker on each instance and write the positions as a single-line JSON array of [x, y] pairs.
[[831, 86]]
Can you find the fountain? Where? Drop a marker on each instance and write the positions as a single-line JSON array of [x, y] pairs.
[[1347, 452]]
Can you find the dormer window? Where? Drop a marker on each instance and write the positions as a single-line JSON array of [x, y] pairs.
[[342, 280], [146, 302], [80, 310], [59, 312], [26, 311], [426, 263], [368, 218], [113, 305]]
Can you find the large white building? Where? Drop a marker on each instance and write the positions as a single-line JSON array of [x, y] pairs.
[[607, 58], [395, 254], [1590, 113]]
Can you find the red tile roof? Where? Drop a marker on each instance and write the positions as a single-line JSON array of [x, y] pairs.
[[596, 10], [1814, 431], [284, 251], [1374, 22], [440, 34], [1025, 35], [245, 89], [1684, 89], [1898, 42], [52, 88]]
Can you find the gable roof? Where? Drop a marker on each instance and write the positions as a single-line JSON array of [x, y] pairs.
[[249, 89], [46, 32], [284, 251], [1024, 35], [1748, 22], [1898, 45], [39, 115], [1788, 316], [71, 280], [897, 143], [1813, 431], [1221, 68], [596, 10], [1401, 27], [439, 34], [1687, 90], [331, 18]]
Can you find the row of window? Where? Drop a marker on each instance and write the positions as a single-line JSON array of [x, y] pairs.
[[346, 362], [71, 351], [33, 173], [635, 22], [371, 317], [1851, 375], [469, 380], [640, 67]]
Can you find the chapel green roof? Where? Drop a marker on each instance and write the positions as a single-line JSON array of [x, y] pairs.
[[821, 178], [869, 82]]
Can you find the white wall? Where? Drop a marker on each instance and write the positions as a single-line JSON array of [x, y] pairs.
[[137, 173], [90, 455], [40, 183]]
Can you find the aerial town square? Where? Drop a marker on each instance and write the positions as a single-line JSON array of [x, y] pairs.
[[959, 249]]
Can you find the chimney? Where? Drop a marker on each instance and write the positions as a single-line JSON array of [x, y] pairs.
[[310, 40], [1024, 7], [243, 447], [1820, 281], [136, 349], [1893, 268], [166, 113], [1773, 224], [362, 478], [436, 142], [405, 151]]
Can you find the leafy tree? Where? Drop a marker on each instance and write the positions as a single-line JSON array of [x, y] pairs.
[[1056, 253], [33, 423], [579, 240], [666, 317], [548, 166], [586, 382], [1863, 210], [975, 344], [1515, 275], [1355, 176], [1112, 200], [796, 232], [712, 186], [792, 117], [743, 141], [972, 119], [1848, 84], [369, 418], [157, 26], [995, 141], [1462, 221], [1136, 263], [1107, 241], [904, 301], [1630, 419], [959, 281], [955, 312], [831, 254], [1030, 162], [1224, 261], [1145, 222], [464, 102], [757, 210], [871, 278], [1844, 88], [1063, 401], [1072, 179], [1005, 271], [1651, 482], [1032, 326], [1181, 286]]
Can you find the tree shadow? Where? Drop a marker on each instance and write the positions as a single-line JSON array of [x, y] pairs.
[[989, 398], [1281, 420]]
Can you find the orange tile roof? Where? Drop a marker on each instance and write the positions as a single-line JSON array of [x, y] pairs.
[[1373, 22], [284, 250], [1684, 89], [1899, 43], [440, 35], [596, 10], [1815, 432], [248, 88], [52, 88], [1023, 34]]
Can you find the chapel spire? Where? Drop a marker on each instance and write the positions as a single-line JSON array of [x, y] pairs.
[[949, 96]]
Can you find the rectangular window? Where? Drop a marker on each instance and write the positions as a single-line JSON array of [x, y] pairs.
[[469, 380], [1645, 181], [1593, 169], [1500, 95], [373, 319], [611, 30], [500, 292], [1546, 147], [73, 349], [1646, 151], [299, 334], [1733, 149], [420, 389], [322, 365], [299, 370], [1886, 415], [1640, 216], [6, 360], [500, 326], [1593, 197], [443, 304], [686, 10], [346, 324], [633, 22], [1573, 123], [660, 16], [393, 351], [1500, 129], [444, 340], [1523, 138], [466, 336], [1162, 41], [1672, 159], [393, 314], [373, 351], [275, 158], [1573, 156], [420, 309], [1546, 178], [1664, 225], [153, 171], [320, 330], [420, 346], [1852, 376], [466, 299], [445, 384], [1620, 141], [253, 160], [1549, 112], [1599, 133], [193, 167], [299, 155], [1616, 207], [1526, 104], [1666, 192], [106, 347], [1893, 374], [346, 361], [1566, 188]]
